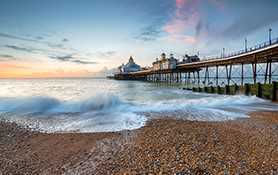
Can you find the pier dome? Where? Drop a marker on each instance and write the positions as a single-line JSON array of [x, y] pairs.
[[131, 66]]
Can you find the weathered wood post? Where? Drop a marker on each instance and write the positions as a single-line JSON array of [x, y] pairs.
[[247, 89], [212, 89], [227, 89], [206, 89], [274, 90], [194, 89], [259, 90], [236, 88], [218, 89]]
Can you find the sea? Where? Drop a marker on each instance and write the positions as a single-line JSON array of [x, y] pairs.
[[105, 105]]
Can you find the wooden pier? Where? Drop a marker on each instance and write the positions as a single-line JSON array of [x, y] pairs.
[[218, 72]]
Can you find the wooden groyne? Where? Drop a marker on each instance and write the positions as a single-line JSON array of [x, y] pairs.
[[265, 91]]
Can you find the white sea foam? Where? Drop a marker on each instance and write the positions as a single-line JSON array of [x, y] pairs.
[[114, 106]]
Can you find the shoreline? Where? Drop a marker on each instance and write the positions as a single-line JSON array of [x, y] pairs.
[[164, 145]]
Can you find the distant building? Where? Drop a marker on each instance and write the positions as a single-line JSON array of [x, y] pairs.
[[157, 64], [120, 69], [131, 66], [190, 59], [165, 63]]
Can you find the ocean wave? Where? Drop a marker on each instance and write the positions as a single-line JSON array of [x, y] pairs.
[[41, 104], [108, 112], [216, 102]]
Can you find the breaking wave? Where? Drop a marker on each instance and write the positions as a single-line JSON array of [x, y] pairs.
[[107, 112], [53, 105]]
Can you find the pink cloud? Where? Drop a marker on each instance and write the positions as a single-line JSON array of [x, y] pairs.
[[182, 38], [185, 18]]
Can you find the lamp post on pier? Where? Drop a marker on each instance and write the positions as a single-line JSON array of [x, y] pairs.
[[269, 35], [245, 44]]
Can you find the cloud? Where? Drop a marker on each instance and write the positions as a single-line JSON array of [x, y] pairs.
[[198, 28], [103, 54], [65, 40], [63, 58], [28, 49], [183, 38], [109, 53], [6, 57], [188, 18], [4, 35], [83, 62], [72, 58], [247, 24], [185, 18], [150, 33], [19, 48], [38, 39], [56, 46]]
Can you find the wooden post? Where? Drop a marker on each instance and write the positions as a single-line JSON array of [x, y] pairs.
[[274, 90], [218, 89], [247, 89], [236, 88], [212, 89], [206, 89], [227, 89], [259, 90]]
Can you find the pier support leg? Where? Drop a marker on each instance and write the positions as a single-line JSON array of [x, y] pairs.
[[266, 72], [206, 76], [189, 78], [216, 75], [254, 68], [198, 76], [242, 74], [228, 73], [270, 72]]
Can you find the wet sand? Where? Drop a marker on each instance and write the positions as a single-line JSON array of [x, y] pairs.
[[163, 146]]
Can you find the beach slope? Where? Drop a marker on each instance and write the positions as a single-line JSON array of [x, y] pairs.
[[244, 146]]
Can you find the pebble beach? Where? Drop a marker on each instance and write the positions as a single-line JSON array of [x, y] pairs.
[[163, 146]]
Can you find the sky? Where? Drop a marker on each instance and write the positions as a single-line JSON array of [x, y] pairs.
[[86, 38]]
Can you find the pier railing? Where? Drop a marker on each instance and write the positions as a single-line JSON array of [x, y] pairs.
[[247, 50]]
